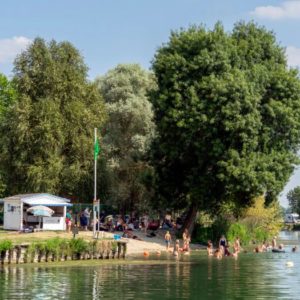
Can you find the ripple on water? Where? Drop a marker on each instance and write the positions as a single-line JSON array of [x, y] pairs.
[[251, 276]]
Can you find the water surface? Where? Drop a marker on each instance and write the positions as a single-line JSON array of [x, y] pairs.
[[251, 276]]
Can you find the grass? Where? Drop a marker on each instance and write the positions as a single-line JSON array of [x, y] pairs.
[[19, 238]]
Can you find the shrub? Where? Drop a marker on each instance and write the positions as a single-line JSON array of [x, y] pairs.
[[261, 235], [78, 246], [6, 245], [52, 247], [239, 230], [202, 234]]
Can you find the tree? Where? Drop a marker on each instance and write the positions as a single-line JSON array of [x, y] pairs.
[[127, 134], [293, 197], [7, 95], [227, 111], [47, 137], [7, 98]]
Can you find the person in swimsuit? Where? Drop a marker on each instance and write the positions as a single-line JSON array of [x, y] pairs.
[[237, 245], [223, 241], [168, 240], [210, 250]]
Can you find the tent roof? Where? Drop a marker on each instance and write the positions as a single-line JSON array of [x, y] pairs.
[[40, 199]]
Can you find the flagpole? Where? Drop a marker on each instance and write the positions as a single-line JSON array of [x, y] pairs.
[[95, 186]]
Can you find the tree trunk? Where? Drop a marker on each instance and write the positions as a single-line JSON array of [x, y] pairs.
[[190, 219]]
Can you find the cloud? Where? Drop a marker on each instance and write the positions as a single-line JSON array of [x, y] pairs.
[[9, 48], [287, 10], [293, 56]]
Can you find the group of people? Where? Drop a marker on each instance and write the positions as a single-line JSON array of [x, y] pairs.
[[223, 248], [186, 239], [84, 219], [265, 246]]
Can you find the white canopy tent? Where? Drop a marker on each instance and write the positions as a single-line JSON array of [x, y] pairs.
[[17, 218]]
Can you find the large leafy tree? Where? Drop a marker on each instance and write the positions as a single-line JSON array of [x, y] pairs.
[[47, 136], [7, 98], [7, 95], [227, 111], [293, 197], [127, 134]]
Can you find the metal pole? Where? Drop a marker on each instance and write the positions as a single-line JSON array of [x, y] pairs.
[[95, 185]]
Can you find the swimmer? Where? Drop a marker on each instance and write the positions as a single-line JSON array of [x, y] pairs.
[[209, 248], [218, 254], [176, 248]]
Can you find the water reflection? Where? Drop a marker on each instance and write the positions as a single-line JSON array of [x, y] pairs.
[[252, 276]]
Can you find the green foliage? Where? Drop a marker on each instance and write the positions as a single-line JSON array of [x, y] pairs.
[[258, 222], [53, 247], [227, 115], [7, 99], [6, 245], [293, 197], [261, 234], [262, 217], [238, 230], [203, 234], [46, 137], [78, 246], [127, 135], [7, 95]]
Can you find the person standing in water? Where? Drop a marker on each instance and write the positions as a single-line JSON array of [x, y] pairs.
[[237, 245], [186, 240], [168, 240], [176, 248], [210, 250], [223, 241], [274, 243]]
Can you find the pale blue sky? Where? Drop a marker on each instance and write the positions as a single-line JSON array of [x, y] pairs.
[[108, 32]]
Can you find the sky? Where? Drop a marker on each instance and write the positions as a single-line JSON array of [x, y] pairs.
[[109, 32]]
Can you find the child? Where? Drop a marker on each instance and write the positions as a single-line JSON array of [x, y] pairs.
[[176, 248], [168, 240], [209, 248]]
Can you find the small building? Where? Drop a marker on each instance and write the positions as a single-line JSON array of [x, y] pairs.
[[292, 218], [16, 216]]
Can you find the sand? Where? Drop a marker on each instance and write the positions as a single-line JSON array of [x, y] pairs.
[[134, 247]]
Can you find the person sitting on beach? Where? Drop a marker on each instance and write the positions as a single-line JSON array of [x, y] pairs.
[[210, 248], [168, 240], [129, 234], [167, 224]]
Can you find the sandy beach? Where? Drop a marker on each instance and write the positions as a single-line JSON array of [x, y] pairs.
[[134, 246]]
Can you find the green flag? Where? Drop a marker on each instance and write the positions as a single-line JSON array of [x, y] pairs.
[[96, 149]]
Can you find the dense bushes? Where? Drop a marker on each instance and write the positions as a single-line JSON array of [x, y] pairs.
[[256, 223], [57, 249], [5, 245]]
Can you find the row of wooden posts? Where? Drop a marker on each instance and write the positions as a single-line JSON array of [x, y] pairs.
[[25, 253]]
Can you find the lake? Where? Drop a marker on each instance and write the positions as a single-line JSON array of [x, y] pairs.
[[251, 276]]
